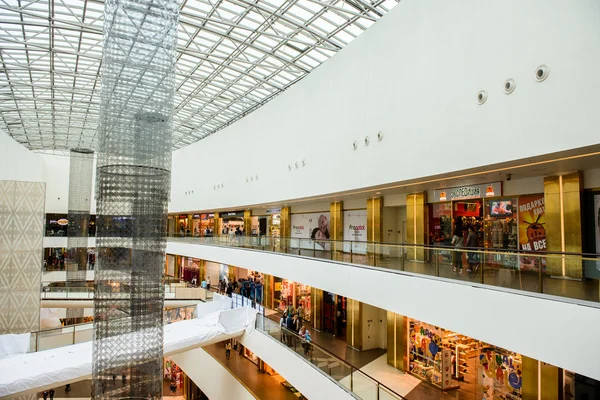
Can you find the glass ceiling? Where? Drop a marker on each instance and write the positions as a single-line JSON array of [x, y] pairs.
[[233, 57]]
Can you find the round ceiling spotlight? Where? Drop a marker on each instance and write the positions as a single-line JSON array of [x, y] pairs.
[[541, 73], [481, 97], [509, 86]]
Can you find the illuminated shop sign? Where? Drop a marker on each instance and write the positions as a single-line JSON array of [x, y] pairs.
[[232, 214], [273, 211], [468, 192]]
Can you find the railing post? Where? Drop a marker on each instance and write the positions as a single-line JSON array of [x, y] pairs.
[[351, 253], [402, 256], [540, 276], [480, 257], [314, 249], [73, 334], [351, 379], [437, 262]]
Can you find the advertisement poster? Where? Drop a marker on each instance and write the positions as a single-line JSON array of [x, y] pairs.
[[312, 230], [532, 231], [355, 230]]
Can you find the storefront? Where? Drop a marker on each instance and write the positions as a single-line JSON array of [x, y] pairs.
[[499, 222], [57, 224], [174, 376], [231, 221], [334, 314], [273, 222], [287, 293], [448, 361], [190, 269], [183, 227]]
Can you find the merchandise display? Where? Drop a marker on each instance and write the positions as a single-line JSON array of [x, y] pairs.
[[500, 375], [449, 361]]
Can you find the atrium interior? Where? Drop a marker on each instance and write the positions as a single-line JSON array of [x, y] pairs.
[[314, 199]]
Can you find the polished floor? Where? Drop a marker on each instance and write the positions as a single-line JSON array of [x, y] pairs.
[[262, 385]]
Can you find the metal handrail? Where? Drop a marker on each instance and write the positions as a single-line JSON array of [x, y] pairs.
[[338, 359], [411, 245]]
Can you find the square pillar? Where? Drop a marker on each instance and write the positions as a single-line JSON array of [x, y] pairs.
[[562, 198], [396, 340], [316, 300], [248, 222], [354, 323], [336, 225], [416, 221], [374, 227], [217, 228]]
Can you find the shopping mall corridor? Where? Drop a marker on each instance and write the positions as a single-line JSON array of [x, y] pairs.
[[260, 384]]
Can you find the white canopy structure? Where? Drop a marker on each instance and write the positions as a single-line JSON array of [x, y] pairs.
[[34, 372]]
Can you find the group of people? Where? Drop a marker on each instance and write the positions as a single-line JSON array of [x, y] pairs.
[[291, 324], [459, 242]]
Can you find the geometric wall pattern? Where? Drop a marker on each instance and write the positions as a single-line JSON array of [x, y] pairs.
[[21, 235]]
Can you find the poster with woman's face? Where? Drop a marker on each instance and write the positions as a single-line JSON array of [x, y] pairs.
[[313, 226]]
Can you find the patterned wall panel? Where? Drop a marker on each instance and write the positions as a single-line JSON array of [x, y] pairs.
[[21, 236]]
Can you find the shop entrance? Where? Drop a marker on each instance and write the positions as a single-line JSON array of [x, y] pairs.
[[334, 314]]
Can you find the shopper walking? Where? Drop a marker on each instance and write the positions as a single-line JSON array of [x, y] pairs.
[[228, 350], [51, 393], [458, 242], [45, 394], [207, 282], [229, 290], [472, 257]]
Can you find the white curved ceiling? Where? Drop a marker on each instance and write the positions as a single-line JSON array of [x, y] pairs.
[[233, 56]]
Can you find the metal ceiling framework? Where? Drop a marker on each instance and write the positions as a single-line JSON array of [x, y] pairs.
[[232, 57]]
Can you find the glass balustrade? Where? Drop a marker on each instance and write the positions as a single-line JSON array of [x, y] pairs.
[[79, 333], [568, 275], [354, 380]]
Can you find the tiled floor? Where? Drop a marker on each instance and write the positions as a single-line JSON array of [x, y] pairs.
[[262, 385]]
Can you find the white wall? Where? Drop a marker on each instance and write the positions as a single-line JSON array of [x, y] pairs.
[[57, 184], [374, 327], [415, 76], [539, 328], [17, 163]]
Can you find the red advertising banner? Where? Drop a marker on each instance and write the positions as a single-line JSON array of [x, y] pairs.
[[532, 233]]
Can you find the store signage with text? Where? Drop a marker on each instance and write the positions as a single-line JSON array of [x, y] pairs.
[[532, 233], [468, 192], [355, 230], [273, 211]]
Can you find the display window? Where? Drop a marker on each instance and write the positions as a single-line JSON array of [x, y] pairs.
[[190, 269], [250, 356], [449, 360], [182, 224], [440, 230], [501, 231], [303, 303], [334, 314]]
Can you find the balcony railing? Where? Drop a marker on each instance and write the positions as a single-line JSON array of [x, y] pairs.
[[362, 385], [79, 333], [570, 275]]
